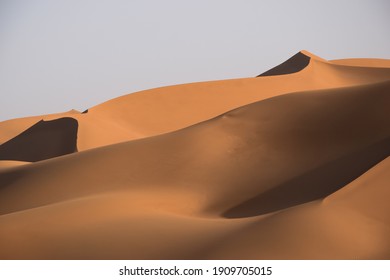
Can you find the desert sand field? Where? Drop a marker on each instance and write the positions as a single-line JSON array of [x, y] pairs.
[[289, 164]]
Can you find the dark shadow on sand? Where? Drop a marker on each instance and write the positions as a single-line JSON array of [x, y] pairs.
[[314, 184], [43, 140], [294, 64]]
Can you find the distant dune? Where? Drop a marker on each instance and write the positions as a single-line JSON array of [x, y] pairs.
[[291, 164]]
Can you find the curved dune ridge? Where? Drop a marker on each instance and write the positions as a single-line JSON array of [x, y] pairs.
[[292, 164]]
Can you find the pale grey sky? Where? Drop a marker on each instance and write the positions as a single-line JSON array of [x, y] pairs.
[[74, 54]]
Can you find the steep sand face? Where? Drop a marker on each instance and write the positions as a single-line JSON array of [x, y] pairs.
[[93, 131], [287, 175], [12, 128], [294, 64], [43, 140]]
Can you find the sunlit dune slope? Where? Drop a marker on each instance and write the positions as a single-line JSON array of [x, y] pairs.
[[363, 62]]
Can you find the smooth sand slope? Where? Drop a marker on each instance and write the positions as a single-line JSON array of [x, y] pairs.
[[293, 164]]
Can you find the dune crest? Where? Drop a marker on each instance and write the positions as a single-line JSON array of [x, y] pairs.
[[298, 157]]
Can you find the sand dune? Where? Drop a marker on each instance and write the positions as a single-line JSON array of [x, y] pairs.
[[292, 164], [133, 116]]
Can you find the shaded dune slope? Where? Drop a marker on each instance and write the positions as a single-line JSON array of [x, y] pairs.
[[351, 223], [294, 64], [314, 184], [43, 140]]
